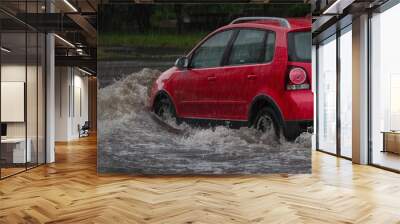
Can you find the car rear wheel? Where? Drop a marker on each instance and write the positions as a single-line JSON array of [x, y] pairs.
[[292, 131], [266, 121]]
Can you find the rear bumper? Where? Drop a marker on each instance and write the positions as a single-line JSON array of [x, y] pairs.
[[298, 106], [292, 129], [301, 126]]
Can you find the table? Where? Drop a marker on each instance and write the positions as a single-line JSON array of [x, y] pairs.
[[391, 141], [16, 147]]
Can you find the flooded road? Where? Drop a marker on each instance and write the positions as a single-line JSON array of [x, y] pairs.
[[109, 71], [130, 141]]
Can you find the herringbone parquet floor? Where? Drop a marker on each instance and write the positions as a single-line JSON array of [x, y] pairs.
[[70, 191]]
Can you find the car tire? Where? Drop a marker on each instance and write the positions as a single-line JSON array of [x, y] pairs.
[[164, 106], [291, 132], [265, 120]]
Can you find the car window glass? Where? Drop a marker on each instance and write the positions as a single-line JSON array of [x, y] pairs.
[[248, 47], [299, 46], [269, 46], [210, 53]]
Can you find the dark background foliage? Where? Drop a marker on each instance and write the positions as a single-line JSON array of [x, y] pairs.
[[154, 35], [186, 17]]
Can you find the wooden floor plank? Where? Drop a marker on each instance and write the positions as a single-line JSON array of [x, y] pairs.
[[70, 191]]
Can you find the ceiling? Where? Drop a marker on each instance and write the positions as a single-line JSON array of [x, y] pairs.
[[74, 22], [329, 15]]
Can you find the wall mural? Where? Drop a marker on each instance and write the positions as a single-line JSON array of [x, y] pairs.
[[178, 97]]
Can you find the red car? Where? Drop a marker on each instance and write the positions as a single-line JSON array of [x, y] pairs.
[[254, 72]]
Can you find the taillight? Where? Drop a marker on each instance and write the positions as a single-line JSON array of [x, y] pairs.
[[297, 79]]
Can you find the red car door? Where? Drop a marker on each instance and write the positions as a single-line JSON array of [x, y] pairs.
[[241, 76], [231, 91], [197, 86]]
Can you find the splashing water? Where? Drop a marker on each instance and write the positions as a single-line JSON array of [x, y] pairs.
[[130, 140]]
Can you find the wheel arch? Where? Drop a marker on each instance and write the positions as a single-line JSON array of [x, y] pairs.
[[161, 94], [259, 102]]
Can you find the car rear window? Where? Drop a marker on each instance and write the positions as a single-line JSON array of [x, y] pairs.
[[299, 46]]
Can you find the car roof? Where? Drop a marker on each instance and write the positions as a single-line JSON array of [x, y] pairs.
[[295, 24], [298, 23]]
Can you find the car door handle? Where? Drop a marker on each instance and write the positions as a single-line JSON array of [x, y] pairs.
[[251, 77], [211, 78]]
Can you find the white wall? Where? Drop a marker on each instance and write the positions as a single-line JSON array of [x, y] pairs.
[[70, 84], [13, 100], [13, 72], [10, 73], [80, 108], [62, 81], [33, 126], [16, 73]]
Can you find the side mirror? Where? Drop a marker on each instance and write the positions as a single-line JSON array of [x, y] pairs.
[[182, 63]]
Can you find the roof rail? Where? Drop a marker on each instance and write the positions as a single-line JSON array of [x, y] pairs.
[[283, 22]]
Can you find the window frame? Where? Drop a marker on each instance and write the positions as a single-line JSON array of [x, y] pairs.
[[227, 51], [371, 73], [28, 61], [335, 36]]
